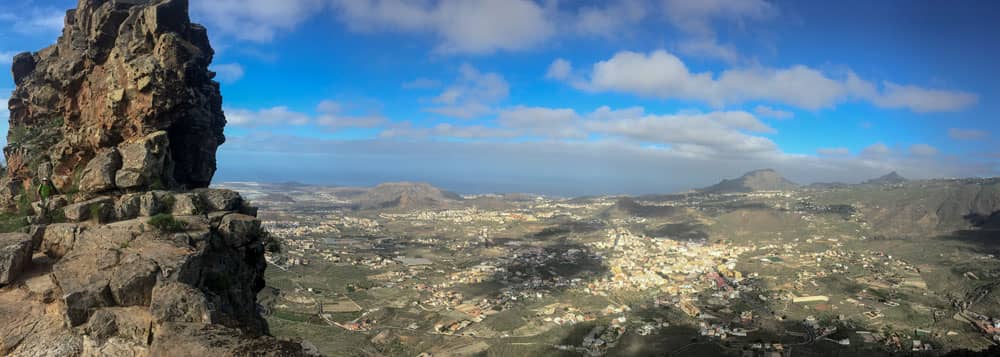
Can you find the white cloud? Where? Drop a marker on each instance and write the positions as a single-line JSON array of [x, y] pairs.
[[696, 16], [422, 83], [611, 20], [768, 112], [36, 21], [923, 150], [967, 134], [660, 74], [462, 26], [472, 95], [280, 115], [255, 20], [833, 151], [922, 100], [228, 72], [332, 117], [709, 48], [560, 69], [876, 151], [715, 134], [545, 122]]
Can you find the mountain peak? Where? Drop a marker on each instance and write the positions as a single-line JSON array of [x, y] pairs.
[[757, 180], [888, 179]]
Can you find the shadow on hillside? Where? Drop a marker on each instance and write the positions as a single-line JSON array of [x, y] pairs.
[[529, 271], [984, 235]]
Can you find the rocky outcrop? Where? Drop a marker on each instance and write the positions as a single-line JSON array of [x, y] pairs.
[[128, 76], [15, 254], [130, 254], [139, 287]]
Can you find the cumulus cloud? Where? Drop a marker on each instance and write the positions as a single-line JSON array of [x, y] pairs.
[[462, 26], [661, 74], [875, 151], [545, 122], [560, 69], [709, 48], [255, 20], [332, 115], [609, 20], [280, 115], [923, 150], [697, 16], [472, 95], [768, 112], [967, 134], [228, 72]]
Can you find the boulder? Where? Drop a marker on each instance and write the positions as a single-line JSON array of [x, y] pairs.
[[132, 282], [177, 302], [220, 200], [153, 203], [59, 239], [99, 174], [237, 230], [15, 255], [99, 209], [187, 204], [128, 206], [143, 162]]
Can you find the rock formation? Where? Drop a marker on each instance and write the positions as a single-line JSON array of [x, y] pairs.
[[95, 111], [130, 255]]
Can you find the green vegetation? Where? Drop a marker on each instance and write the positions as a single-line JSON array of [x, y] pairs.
[[96, 213], [12, 222], [165, 222]]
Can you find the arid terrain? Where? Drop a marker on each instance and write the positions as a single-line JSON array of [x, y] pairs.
[[753, 266]]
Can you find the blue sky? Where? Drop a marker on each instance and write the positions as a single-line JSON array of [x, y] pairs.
[[582, 97]]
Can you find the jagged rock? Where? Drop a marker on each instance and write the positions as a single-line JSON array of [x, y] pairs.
[[15, 255], [187, 204], [221, 200], [132, 282], [99, 209], [37, 233], [123, 72], [143, 161], [238, 229], [99, 175], [176, 302], [59, 239], [128, 206], [121, 105], [151, 203]]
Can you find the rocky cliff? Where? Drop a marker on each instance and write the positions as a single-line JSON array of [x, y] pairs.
[[125, 78], [129, 254]]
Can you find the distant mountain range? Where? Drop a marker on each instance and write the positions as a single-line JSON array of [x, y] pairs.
[[759, 180]]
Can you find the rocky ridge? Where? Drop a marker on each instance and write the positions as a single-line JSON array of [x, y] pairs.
[[130, 254]]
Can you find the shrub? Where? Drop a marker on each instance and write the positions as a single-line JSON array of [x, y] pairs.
[[165, 222]]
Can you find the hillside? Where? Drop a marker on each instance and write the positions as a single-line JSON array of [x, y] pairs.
[[759, 180], [405, 195], [891, 178]]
